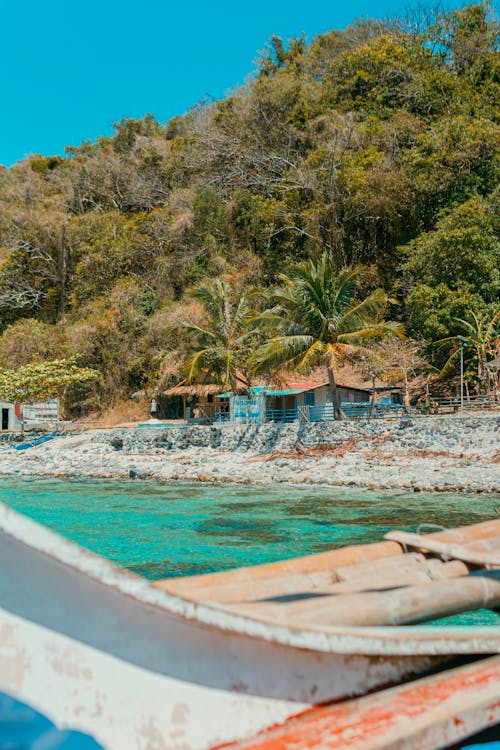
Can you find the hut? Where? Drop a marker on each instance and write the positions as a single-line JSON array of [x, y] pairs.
[[32, 414], [310, 401], [295, 398], [206, 401]]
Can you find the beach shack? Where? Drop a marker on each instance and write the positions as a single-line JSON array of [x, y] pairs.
[[302, 400], [39, 413], [33, 414], [205, 401], [310, 402]]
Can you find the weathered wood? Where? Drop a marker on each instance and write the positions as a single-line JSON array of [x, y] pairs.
[[286, 609], [273, 578], [409, 562], [403, 606], [432, 570], [429, 713], [285, 576], [270, 606], [485, 545], [463, 552], [469, 533]]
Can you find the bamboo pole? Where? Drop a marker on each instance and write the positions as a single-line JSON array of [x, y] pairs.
[[478, 555], [407, 606]]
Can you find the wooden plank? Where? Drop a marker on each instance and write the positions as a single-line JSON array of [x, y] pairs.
[[485, 545], [448, 549], [429, 713], [432, 570]]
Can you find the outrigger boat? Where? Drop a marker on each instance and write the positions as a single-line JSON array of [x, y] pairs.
[[259, 656]]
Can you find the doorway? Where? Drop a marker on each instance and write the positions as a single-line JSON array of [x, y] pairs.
[[5, 419]]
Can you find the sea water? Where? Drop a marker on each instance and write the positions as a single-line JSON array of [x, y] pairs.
[[159, 530]]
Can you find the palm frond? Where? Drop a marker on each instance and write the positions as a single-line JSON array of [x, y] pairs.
[[279, 352], [376, 331], [195, 364], [344, 289], [450, 363], [365, 311], [311, 356]]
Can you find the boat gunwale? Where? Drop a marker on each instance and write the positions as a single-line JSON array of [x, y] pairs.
[[377, 641]]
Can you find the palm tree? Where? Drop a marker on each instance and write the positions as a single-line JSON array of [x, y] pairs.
[[483, 332], [315, 318], [219, 347]]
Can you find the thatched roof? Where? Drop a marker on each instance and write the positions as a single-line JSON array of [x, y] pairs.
[[203, 389], [195, 389]]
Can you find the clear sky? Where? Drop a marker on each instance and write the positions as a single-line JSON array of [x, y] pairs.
[[70, 69]]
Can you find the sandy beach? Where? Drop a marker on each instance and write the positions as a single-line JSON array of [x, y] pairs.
[[458, 452]]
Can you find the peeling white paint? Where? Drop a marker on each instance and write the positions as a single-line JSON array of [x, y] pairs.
[[98, 649]]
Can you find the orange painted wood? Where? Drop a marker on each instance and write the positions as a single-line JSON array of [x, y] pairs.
[[466, 553], [430, 713]]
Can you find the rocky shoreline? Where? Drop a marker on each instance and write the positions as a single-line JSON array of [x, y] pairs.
[[453, 453]]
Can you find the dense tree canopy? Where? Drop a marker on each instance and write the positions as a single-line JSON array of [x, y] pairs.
[[377, 144]]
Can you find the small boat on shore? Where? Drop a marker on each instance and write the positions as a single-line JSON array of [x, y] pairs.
[[209, 660], [36, 441]]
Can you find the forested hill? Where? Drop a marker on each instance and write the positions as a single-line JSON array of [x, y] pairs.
[[378, 143]]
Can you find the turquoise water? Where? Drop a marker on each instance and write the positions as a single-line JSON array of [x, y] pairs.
[[160, 530]]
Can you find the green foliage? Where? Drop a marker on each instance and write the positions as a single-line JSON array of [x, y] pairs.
[[377, 144], [27, 341], [43, 380], [433, 311], [482, 333], [221, 344], [463, 251]]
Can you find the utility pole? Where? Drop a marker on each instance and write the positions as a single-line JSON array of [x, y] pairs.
[[463, 344]]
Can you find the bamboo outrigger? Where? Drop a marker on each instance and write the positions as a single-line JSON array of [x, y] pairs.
[[202, 661]]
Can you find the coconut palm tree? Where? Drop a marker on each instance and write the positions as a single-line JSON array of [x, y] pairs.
[[315, 317], [482, 336], [220, 346]]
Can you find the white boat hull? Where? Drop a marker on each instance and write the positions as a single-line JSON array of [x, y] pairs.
[[99, 650]]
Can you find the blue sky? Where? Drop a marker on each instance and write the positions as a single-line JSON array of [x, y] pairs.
[[70, 69]]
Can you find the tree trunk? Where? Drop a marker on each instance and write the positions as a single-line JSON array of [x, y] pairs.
[[372, 399], [62, 271], [406, 396], [338, 412]]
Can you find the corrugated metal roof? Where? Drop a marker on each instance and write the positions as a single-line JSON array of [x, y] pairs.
[[294, 389], [286, 392]]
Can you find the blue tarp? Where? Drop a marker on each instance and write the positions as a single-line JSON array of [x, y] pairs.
[[24, 728]]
